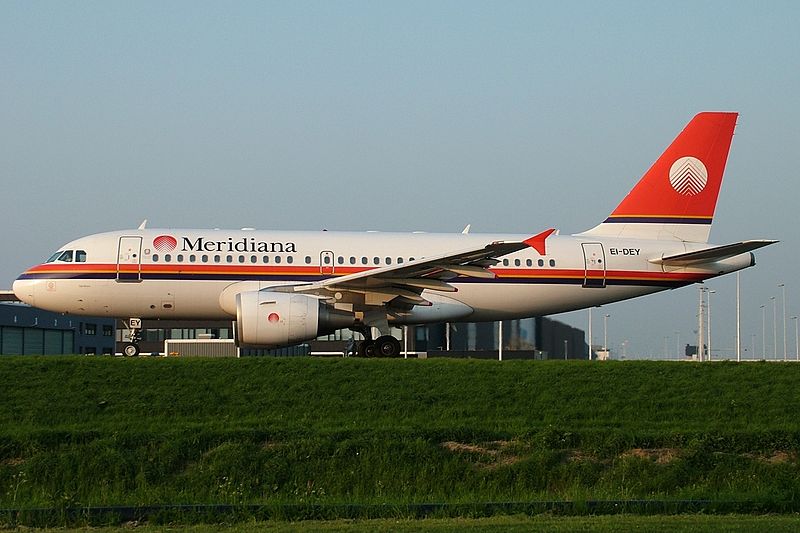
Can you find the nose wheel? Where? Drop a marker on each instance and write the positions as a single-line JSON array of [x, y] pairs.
[[131, 349]]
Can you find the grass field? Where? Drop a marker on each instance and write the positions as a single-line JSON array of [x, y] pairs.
[[84, 431]]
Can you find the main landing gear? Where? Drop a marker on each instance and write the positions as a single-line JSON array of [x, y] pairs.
[[383, 346]]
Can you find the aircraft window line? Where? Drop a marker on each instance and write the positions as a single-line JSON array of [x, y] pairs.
[[80, 256]]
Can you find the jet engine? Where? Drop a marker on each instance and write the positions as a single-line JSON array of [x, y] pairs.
[[273, 319]]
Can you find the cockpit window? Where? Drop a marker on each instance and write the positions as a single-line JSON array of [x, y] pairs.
[[54, 256], [80, 256], [66, 257]]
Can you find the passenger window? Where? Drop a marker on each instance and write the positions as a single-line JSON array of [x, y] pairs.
[[364, 261], [399, 260], [290, 259], [265, 259], [540, 262], [155, 258], [229, 258], [192, 258], [505, 262], [529, 262], [179, 259], [80, 256], [326, 260], [167, 258], [388, 260], [241, 259], [205, 259], [253, 259], [308, 259], [352, 260], [217, 259], [277, 259], [552, 262], [517, 262], [376, 260], [410, 258], [340, 260]]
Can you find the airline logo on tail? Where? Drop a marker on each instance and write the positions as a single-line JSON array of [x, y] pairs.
[[688, 176]]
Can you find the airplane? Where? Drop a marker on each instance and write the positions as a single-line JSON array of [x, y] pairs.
[[283, 288]]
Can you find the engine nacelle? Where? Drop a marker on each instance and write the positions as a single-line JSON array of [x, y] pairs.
[[273, 319]]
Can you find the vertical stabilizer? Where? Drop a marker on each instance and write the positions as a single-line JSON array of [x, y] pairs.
[[676, 198]]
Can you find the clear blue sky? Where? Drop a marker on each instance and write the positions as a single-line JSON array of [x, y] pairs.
[[511, 116]]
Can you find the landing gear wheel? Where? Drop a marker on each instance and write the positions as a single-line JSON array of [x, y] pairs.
[[387, 346], [130, 350], [367, 349]]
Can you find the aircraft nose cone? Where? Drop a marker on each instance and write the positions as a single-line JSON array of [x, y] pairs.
[[24, 290]]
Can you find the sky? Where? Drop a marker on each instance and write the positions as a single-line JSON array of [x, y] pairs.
[[402, 116]]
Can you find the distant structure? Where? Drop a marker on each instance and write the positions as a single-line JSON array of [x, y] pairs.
[[25, 330]]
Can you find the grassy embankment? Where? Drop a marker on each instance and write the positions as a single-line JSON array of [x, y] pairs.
[[78, 431]]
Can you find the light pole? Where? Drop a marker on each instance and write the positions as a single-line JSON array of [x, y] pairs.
[[796, 340], [605, 334], [590, 334], [783, 291], [708, 309], [738, 322], [678, 344], [763, 332], [774, 327]]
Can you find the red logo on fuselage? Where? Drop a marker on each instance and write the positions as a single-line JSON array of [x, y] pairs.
[[165, 243]]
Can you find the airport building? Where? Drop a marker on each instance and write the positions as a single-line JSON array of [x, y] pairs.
[[25, 330]]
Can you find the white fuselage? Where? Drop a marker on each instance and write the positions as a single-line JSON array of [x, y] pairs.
[[196, 274]]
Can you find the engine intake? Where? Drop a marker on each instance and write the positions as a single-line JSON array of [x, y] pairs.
[[273, 319]]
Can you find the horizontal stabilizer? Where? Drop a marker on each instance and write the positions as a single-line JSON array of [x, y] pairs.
[[709, 255]]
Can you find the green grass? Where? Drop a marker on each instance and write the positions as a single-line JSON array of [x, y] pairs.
[[79, 431]]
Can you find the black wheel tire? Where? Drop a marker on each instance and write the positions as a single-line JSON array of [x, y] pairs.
[[369, 348], [387, 346], [130, 350]]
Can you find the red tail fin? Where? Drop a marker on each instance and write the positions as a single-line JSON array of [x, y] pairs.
[[676, 198]]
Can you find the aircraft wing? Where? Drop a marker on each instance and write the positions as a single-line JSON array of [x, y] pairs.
[[709, 255], [404, 283]]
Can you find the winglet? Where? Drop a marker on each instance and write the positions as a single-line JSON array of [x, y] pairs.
[[537, 241]]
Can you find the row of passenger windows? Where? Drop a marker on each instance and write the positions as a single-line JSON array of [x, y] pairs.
[[68, 256], [326, 260], [529, 262], [266, 259]]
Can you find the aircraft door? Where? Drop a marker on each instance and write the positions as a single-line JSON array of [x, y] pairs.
[[594, 265], [326, 263], [129, 259]]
